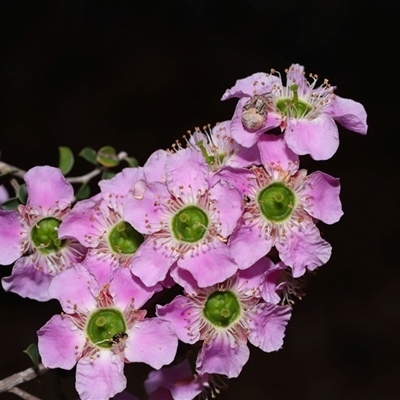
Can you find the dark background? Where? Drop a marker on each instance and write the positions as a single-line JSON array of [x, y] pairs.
[[137, 75]]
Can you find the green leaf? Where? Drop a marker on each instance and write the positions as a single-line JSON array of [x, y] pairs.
[[83, 192], [107, 157], [33, 353], [132, 162], [11, 204], [66, 159], [106, 174], [22, 194], [89, 155]]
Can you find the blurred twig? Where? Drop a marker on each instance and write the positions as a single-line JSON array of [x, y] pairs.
[[8, 384]]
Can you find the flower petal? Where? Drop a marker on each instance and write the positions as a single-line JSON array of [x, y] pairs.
[[115, 190], [100, 377], [349, 113], [244, 157], [251, 278], [324, 191], [144, 208], [210, 264], [187, 174], [269, 283], [180, 312], [248, 244], [274, 152], [222, 355], [267, 326], [75, 287], [304, 248], [228, 205], [83, 222], [28, 281], [151, 262], [154, 169], [318, 137], [183, 278], [151, 341], [10, 236], [47, 188], [258, 83], [101, 266], [124, 287], [60, 342], [242, 179]]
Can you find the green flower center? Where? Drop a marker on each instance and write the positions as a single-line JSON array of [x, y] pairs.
[[124, 239], [222, 308], [45, 235], [276, 202], [190, 224], [104, 325], [293, 107]]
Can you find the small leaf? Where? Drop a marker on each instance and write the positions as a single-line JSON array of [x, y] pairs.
[[11, 204], [22, 194], [83, 192], [107, 156], [106, 174], [33, 353], [66, 159], [132, 162], [89, 155]]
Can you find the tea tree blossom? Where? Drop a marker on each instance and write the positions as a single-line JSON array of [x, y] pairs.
[[220, 150], [186, 220], [224, 316], [99, 225], [277, 285], [305, 113], [29, 236], [283, 204], [101, 328]]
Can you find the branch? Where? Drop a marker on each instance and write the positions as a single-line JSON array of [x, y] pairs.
[[4, 168], [87, 177], [20, 377], [84, 178]]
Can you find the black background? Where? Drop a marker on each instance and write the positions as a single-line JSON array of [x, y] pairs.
[[137, 75]]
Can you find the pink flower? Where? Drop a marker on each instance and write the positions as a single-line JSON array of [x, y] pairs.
[[220, 150], [102, 328], [224, 317], [185, 220], [30, 235], [278, 285], [99, 225], [283, 204], [306, 114]]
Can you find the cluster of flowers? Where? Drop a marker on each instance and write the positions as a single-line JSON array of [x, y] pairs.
[[203, 216]]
